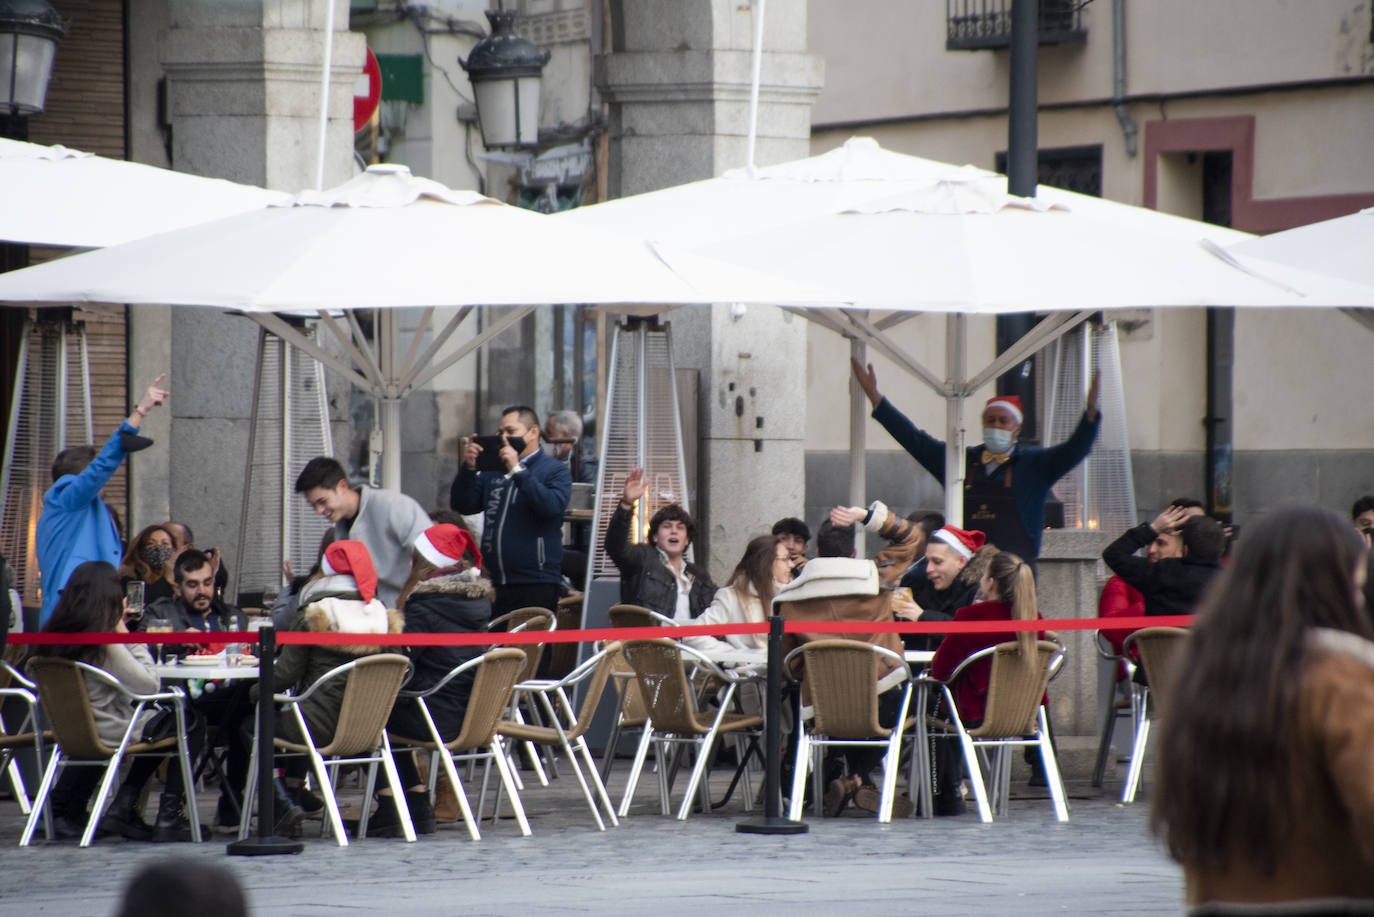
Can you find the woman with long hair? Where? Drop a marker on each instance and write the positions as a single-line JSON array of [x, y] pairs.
[[748, 597], [1263, 791], [1008, 593], [93, 602], [149, 558]]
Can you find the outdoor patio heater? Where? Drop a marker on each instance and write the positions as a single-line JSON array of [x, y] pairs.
[[50, 410], [289, 427]]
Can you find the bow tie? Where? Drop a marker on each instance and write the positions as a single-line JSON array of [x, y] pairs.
[[1000, 458]]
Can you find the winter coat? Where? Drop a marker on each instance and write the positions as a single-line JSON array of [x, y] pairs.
[[522, 531], [645, 578], [834, 589], [730, 607], [133, 666], [903, 539], [971, 690], [388, 523], [75, 525], [300, 666], [942, 604], [1036, 468], [1171, 586], [1330, 853], [456, 603]]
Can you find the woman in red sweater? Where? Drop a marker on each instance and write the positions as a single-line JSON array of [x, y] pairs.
[[1008, 591]]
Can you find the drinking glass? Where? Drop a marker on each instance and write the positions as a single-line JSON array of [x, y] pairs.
[[158, 626]]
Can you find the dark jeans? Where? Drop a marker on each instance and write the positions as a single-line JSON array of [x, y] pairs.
[[524, 595], [865, 759], [72, 794]]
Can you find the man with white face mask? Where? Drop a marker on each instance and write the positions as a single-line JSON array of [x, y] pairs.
[[1005, 484]]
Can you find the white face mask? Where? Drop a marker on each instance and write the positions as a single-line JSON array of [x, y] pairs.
[[998, 441]]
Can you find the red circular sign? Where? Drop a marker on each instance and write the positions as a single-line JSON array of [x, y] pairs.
[[367, 92]]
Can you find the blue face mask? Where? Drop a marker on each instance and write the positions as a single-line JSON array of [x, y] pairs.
[[998, 441]]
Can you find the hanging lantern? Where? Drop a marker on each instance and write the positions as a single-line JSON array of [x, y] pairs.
[[505, 71], [29, 31]]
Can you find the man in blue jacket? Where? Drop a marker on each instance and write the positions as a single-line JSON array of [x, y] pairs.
[[522, 507], [1005, 484], [76, 525]]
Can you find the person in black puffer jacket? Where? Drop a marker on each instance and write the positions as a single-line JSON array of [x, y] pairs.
[[446, 593]]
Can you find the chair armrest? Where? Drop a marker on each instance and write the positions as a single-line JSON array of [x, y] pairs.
[[452, 674], [701, 660], [18, 676], [1103, 647]]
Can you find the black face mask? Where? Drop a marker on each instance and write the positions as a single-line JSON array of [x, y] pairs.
[[157, 556]]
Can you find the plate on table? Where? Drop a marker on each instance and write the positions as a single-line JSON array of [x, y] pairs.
[[217, 659]]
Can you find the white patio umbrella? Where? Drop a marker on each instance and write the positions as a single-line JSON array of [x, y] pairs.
[[1342, 248], [387, 239], [58, 196], [898, 235]]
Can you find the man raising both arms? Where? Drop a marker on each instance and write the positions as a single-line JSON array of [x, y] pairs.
[[1005, 484]]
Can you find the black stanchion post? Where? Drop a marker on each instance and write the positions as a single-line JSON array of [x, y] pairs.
[[772, 821], [266, 843]]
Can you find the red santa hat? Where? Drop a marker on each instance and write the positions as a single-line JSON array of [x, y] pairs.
[[964, 543], [444, 545], [350, 558], [1009, 403]]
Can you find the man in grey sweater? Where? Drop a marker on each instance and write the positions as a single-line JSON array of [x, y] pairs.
[[386, 521]]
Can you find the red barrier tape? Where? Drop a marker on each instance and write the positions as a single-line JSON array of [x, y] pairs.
[[604, 633]]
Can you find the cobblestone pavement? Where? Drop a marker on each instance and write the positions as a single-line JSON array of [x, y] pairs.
[[1102, 861]]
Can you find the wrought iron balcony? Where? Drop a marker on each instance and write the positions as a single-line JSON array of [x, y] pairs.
[[981, 25]]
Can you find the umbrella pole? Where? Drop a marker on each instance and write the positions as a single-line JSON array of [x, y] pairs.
[[390, 402], [955, 333], [858, 414]]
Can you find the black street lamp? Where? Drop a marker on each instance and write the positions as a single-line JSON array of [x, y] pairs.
[[506, 72], [29, 32]]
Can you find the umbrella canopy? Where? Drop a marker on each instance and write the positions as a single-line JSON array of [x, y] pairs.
[[1343, 247], [387, 239], [57, 196], [901, 234]]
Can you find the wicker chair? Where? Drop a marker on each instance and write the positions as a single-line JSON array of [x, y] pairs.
[[563, 656], [1115, 704], [567, 729], [26, 735], [1161, 648], [492, 686], [359, 738], [524, 619], [1014, 717], [61, 685], [844, 711], [674, 719], [631, 712]]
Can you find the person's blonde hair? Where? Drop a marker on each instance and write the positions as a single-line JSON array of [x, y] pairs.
[[1015, 584]]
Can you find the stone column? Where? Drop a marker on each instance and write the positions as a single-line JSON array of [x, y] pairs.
[[676, 80], [243, 102]]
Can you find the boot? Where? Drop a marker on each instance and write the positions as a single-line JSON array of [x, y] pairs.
[[124, 818], [307, 800], [386, 821], [172, 823], [289, 815], [446, 809]]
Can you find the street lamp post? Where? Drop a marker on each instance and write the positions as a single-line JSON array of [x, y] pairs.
[[506, 72]]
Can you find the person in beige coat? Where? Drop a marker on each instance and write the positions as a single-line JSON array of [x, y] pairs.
[[747, 598], [1264, 791]]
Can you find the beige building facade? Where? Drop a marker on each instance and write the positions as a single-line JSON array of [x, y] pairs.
[[1280, 94]]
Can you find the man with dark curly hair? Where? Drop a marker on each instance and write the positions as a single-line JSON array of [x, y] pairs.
[[657, 575]]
